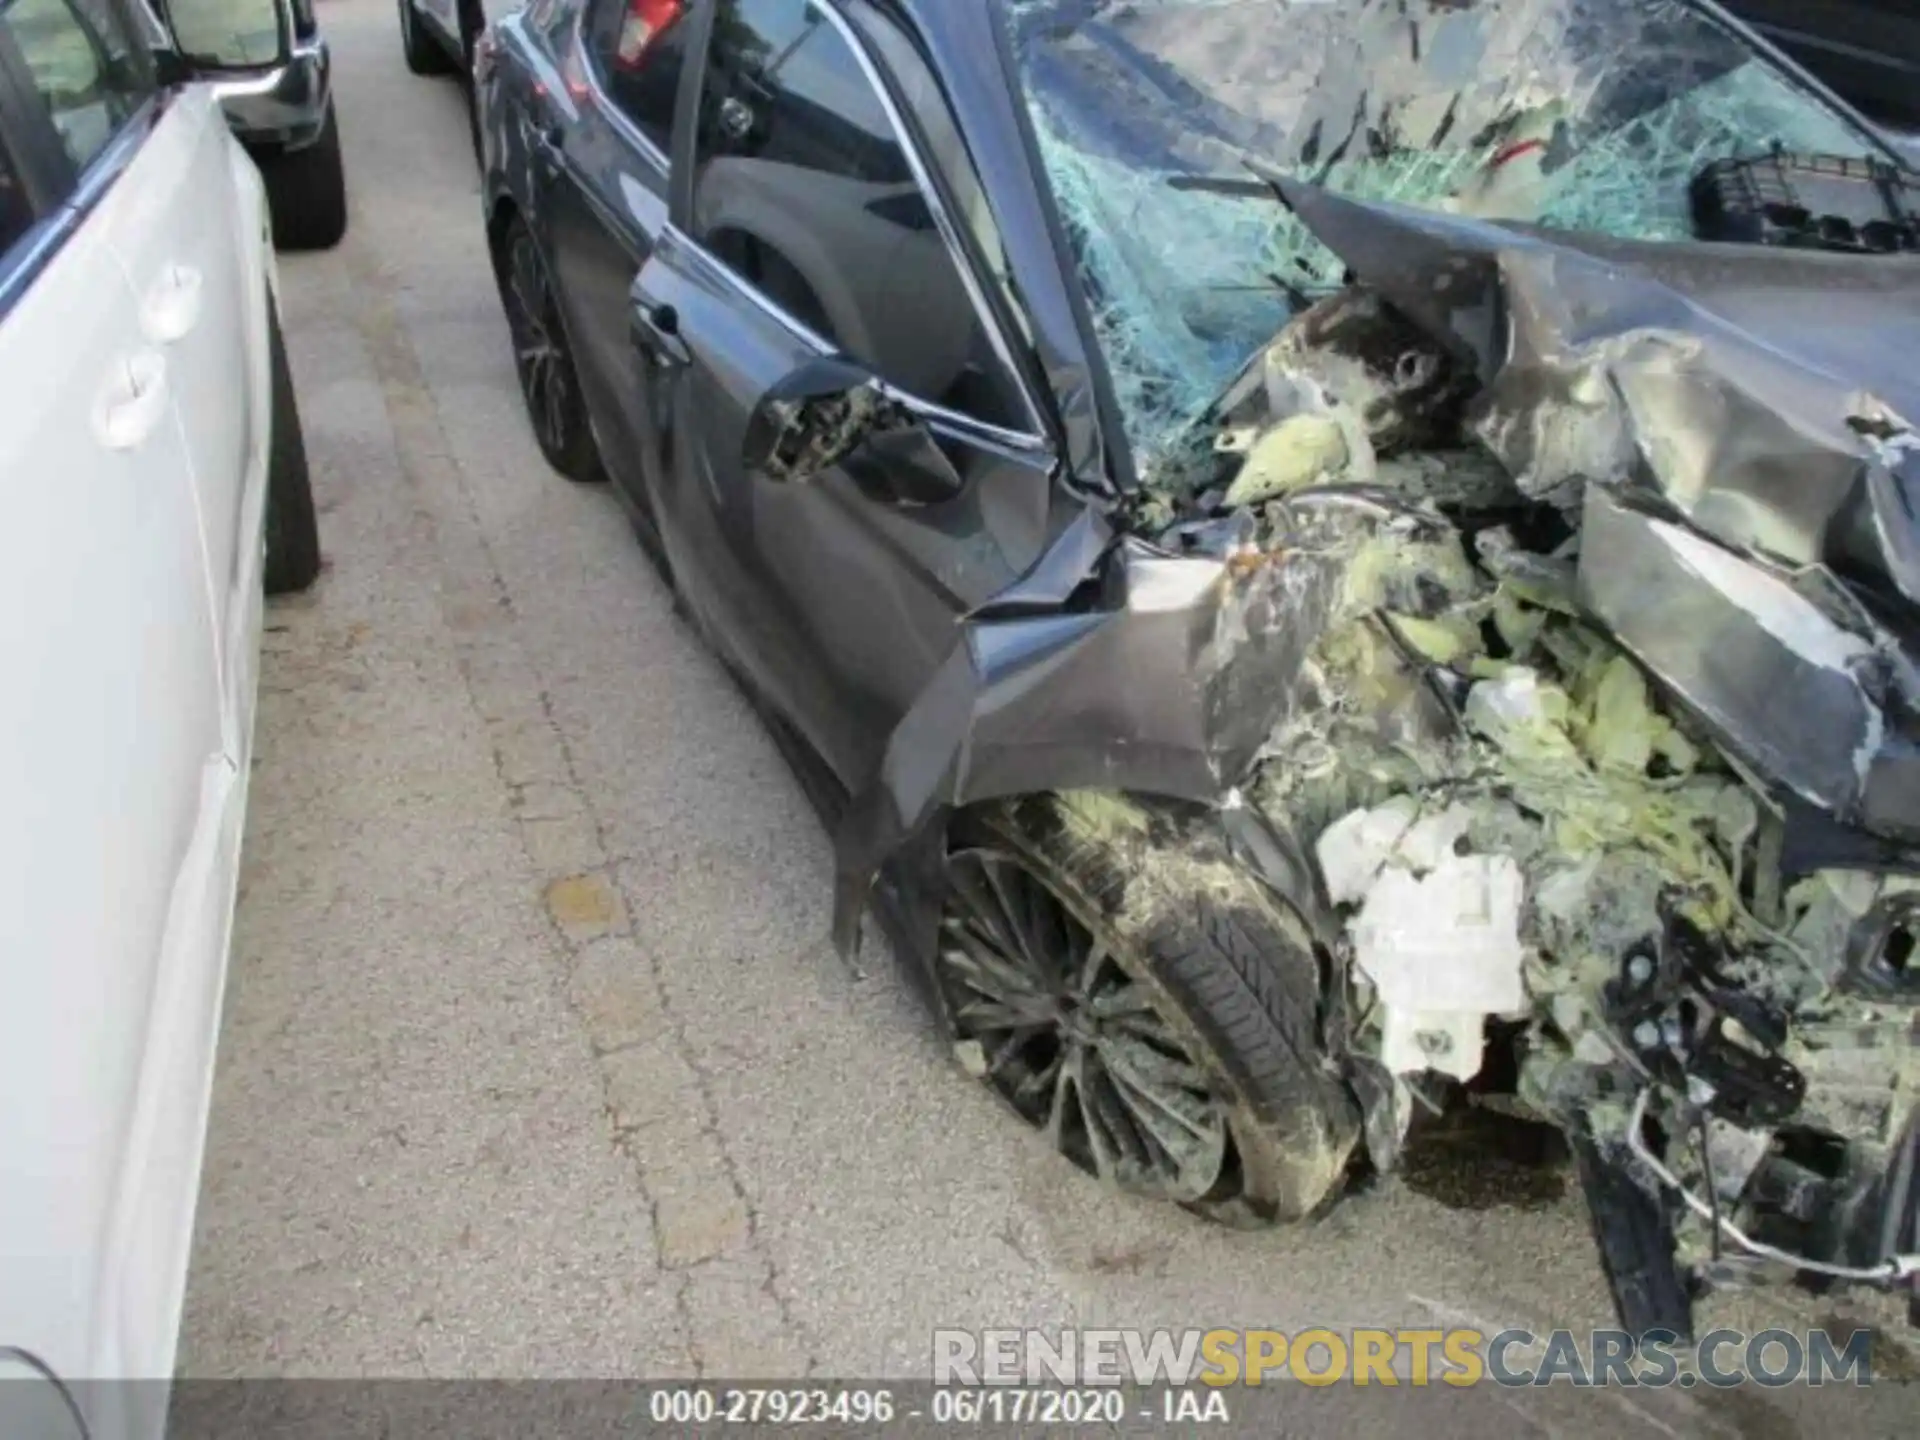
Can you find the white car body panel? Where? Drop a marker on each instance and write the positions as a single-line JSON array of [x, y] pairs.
[[198, 275], [133, 434]]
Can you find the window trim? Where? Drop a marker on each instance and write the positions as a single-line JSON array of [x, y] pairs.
[[61, 193], [967, 427], [882, 30], [1026, 442], [58, 221], [22, 261], [1115, 444], [29, 124]]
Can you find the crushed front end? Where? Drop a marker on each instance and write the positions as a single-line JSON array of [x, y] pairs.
[[1563, 617], [1601, 743]]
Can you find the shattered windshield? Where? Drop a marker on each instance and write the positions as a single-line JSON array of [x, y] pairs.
[[1586, 115]]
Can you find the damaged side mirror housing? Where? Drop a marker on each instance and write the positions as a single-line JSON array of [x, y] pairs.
[[827, 413]]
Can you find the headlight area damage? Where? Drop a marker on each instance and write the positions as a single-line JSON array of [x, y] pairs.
[[1536, 619]]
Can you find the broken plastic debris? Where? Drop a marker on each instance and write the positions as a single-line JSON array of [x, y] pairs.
[[1437, 934], [1354, 849], [1449, 940], [1433, 838], [1301, 450], [1452, 1044], [1443, 953]]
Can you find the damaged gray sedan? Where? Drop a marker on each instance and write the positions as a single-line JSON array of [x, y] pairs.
[[1325, 562]]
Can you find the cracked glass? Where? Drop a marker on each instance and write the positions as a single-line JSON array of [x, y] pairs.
[[1587, 115]]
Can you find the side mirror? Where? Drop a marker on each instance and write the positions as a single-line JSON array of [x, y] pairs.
[[213, 37], [828, 412]]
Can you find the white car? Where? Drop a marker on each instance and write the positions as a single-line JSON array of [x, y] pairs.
[[155, 483]]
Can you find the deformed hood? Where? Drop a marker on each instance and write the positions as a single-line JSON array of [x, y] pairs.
[[1732, 425]]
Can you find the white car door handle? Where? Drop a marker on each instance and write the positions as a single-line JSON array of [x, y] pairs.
[[132, 401], [173, 304]]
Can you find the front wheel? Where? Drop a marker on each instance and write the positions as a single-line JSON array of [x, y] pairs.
[[307, 191], [1151, 1009]]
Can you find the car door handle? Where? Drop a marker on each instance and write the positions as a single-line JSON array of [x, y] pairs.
[[173, 304], [132, 401], [656, 330]]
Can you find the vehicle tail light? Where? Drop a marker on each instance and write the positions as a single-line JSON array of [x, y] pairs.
[[647, 21]]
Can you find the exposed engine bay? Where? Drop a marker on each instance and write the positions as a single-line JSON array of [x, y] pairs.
[[1583, 770]]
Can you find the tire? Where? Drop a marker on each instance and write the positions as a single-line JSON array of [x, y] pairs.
[[424, 54], [293, 532], [470, 27], [549, 380], [307, 191], [1212, 996]]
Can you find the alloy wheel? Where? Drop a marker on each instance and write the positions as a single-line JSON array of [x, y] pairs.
[[1076, 1043], [546, 377]]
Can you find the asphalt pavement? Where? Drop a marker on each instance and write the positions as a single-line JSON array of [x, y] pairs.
[[537, 1059]]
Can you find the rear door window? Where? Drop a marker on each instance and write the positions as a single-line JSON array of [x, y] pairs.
[[639, 48], [84, 63]]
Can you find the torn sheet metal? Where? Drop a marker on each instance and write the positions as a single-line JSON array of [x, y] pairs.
[[1758, 402], [1167, 683], [1762, 394], [1732, 638]]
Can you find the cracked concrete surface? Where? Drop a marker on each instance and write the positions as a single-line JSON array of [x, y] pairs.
[[537, 1059]]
